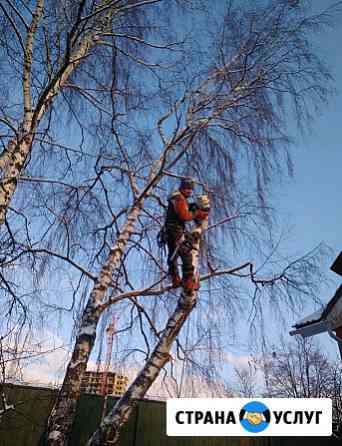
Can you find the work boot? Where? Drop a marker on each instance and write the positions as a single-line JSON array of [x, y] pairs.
[[176, 280], [191, 283]]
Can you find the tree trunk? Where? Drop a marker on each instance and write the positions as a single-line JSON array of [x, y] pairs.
[[62, 415], [13, 158], [109, 430]]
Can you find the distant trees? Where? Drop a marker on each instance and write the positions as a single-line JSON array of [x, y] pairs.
[[108, 103], [245, 384], [296, 369], [301, 370]]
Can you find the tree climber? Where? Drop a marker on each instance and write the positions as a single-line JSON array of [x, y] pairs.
[[177, 238]]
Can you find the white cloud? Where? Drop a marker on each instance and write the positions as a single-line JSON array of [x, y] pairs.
[[237, 360], [180, 384], [50, 356], [47, 369], [37, 360]]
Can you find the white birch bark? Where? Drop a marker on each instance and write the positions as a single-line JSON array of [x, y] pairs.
[[12, 160], [63, 413], [109, 430]]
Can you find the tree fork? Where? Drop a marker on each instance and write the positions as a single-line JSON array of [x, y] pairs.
[[62, 415], [109, 430]]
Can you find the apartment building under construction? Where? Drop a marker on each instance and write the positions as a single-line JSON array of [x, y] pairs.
[[104, 383]]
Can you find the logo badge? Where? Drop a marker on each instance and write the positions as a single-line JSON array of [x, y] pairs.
[[255, 417]]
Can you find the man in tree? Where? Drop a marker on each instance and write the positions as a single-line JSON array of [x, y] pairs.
[[178, 239]]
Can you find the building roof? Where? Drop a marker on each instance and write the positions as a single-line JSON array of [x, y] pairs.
[[337, 265], [327, 318]]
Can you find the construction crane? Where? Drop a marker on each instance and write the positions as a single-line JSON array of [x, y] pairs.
[[110, 331]]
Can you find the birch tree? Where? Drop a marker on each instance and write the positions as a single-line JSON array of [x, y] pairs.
[[232, 108], [218, 110], [58, 58], [46, 47]]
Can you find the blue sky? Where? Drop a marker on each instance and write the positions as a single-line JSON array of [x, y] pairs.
[[312, 199], [310, 202]]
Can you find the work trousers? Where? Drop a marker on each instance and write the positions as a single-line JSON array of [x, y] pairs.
[[178, 248]]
